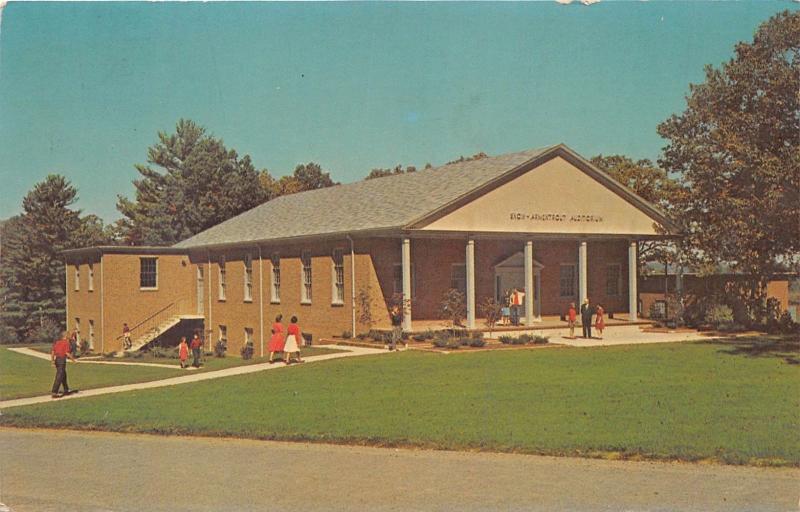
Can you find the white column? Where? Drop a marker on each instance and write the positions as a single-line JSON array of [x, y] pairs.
[[582, 273], [470, 284], [633, 296], [529, 292], [406, 284]]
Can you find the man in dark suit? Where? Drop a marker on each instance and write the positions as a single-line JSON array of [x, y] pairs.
[[586, 318]]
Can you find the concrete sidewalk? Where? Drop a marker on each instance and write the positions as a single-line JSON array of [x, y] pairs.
[[617, 335], [42, 355], [195, 377]]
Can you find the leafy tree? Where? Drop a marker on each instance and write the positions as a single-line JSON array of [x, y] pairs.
[[652, 184], [197, 183], [33, 285], [380, 172], [492, 311], [737, 149], [477, 156], [308, 176], [453, 307]]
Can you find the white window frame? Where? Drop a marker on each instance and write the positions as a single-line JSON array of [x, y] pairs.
[[77, 278], [91, 333], [275, 278], [574, 284], [337, 277], [223, 332], [618, 283], [141, 261], [248, 278], [397, 285], [222, 274], [91, 277], [248, 335], [306, 277]]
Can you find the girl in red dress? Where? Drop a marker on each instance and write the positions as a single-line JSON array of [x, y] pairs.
[[600, 322], [572, 315], [293, 341], [276, 342], [183, 351]]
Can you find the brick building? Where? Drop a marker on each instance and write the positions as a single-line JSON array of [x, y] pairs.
[[544, 221]]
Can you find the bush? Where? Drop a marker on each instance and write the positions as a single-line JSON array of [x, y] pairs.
[[786, 325], [540, 340], [347, 335], [220, 347], [247, 350], [47, 332], [440, 342], [505, 339], [719, 315], [84, 347], [381, 336], [8, 335], [454, 343], [731, 327], [476, 342]]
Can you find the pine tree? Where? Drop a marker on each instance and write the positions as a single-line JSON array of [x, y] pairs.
[[192, 182]]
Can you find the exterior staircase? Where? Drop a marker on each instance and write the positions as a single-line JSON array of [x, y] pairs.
[[155, 325]]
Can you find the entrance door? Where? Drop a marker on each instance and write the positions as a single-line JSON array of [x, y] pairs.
[[200, 290], [510, 274]]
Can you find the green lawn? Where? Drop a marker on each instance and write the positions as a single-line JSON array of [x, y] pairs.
[[729, 402], [23, 376]]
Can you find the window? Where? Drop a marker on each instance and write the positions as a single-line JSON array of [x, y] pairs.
[[77, 278], [276, 278], [248, 335], [148, 273], [91, 277], [78, 328], [248, 278], [567, 281], [91, 333], [338, 277], [398, 280], [223, 333], [613, 274], [222, 283], [458, 277], [305, 291]]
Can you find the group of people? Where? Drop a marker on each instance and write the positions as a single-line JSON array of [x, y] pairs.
[[196, 345], [510, 308], [587, 311], [288, 345]]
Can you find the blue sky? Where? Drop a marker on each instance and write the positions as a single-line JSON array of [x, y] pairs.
[[85, 87]]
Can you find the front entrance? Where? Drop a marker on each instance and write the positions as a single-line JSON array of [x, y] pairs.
[[510, 274]]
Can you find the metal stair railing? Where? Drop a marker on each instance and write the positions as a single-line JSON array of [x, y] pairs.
[[151, 326]]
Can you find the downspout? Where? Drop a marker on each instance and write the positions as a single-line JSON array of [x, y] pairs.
[[352, 285], [261, 300], [209, 329], [102, 314]]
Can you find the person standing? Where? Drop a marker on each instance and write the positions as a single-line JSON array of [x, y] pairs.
[[572, 315], [293, 341], [600, 322], [586, 318], [73, 343], [276, 342], [196, 345], [126, 337], [396, 315], [58, 356], [183, 351]]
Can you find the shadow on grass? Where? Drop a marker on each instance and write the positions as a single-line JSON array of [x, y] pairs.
[[786, 347]]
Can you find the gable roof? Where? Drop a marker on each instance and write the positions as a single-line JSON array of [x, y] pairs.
[[388, 203]]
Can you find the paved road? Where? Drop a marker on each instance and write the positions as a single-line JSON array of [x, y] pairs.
[[66, 471]]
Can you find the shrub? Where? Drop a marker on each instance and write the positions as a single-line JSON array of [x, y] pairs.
[[440, 342], [84, 347], [8, 335], [156, 352], [540, 340], [453, 306], [347, 335], [454, 343], [731, 327], [220, 347], [47, 331], [247, 350], [786, 325], [418, 337], [476, 342], [719, 315], [506, 339]]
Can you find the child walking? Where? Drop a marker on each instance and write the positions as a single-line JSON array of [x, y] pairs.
[[183, 351], [572, 315]]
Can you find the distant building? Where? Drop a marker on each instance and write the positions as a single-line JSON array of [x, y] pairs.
[[544, 221]]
